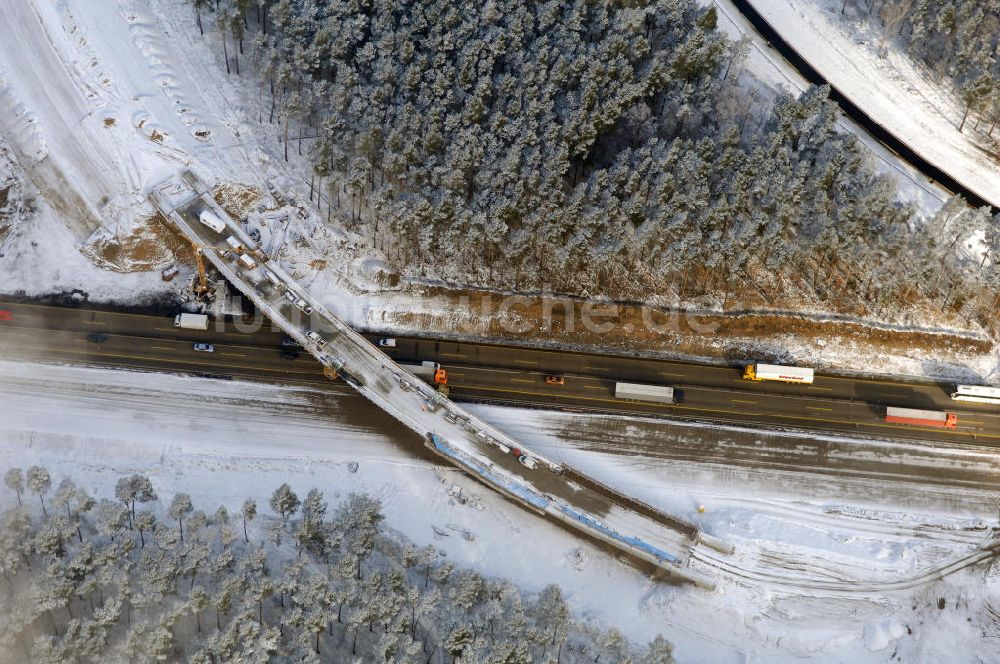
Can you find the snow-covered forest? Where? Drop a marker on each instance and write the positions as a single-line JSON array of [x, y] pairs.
[[586, 148], [131, 578], [957, 39]]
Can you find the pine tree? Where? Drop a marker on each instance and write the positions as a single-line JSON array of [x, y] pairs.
[[659, 651], [39, 482], [457, 641], [200, 600], [358, 518], [145, 521], [64, 496], [284, 501], [15, 482], [249, 512], [133, 489], [180, 507]]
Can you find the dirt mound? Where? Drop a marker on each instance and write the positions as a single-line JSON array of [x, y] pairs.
[[236, 199], [152, 245], [643, 330]]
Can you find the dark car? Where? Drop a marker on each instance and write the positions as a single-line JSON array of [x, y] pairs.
[[678, 396], [289, 342], [97, 338], [289, 354]]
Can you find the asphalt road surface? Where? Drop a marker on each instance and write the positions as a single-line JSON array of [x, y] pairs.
[[499, 374]]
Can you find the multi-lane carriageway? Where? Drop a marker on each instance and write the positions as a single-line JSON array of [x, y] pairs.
[[503, 374], [507, 374], [489, 455]]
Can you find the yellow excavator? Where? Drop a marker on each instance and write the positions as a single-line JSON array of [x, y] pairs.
[[200, 285]]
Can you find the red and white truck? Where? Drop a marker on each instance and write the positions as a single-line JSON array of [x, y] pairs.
[[927, 418]]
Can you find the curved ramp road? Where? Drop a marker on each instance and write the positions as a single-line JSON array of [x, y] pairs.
[[481, 450], [885, 135]]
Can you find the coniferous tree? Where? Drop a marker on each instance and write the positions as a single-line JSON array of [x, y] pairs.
[[284, 501], [39, 482], [180, 507], [15, 482], [249, 512]]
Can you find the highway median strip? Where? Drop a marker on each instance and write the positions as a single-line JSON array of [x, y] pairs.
[[846, 423]]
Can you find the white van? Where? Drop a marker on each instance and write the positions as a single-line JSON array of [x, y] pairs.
[[211, 220], [315, 338]]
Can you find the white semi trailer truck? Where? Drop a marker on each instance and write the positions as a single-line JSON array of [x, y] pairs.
[[760, 372], [638, 392], [191, 321]]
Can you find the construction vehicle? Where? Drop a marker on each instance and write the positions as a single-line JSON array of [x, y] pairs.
[[432, 371], [927, 418], [435, 401], [168, 273], [248, 253], [199, 284], [759, 372], [191, 321], [525, 459], [274, 279], [637, 392], [299, 302]]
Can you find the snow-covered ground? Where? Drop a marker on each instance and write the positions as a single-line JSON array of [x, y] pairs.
[[855, 56], [815, 573], [98, 100]]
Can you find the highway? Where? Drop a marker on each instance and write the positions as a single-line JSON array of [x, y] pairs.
[[481, 450], [500, 374]]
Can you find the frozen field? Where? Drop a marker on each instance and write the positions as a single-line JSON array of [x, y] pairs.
[[832, 570]]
